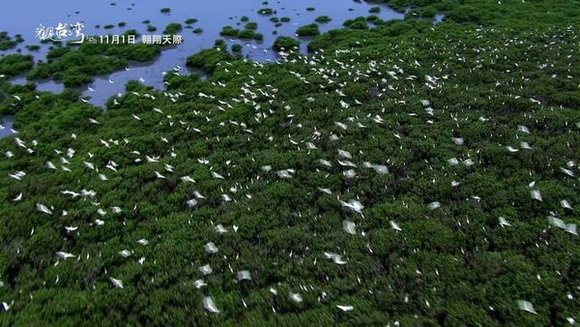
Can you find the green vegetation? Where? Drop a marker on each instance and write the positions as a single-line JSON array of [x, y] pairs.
[[6, 42], [165, 10], [198, 30], [229, 31], [285, 19], [131, 32], [33, 47], [449, 231], [428, 12], [323, 19], [308, 30], [251, 26], [151, 28], [236, 48], [359, 23], [285, 43], [122, 24], [209, 59], [374, 19], [191, 21], [244, 19], [266, 11], [375, 10], [109, 26], [246, 34], [172, 28], [15, 64], [75, 66]]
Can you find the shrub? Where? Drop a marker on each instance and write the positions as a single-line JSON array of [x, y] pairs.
[[308, 30], [323, 19], [172, 28], [285, 43]]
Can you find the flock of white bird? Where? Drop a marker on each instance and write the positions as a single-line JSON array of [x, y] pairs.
[[333, 75]]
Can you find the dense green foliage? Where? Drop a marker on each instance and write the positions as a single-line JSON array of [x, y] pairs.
[[15, 64], [76, 66], [251, 26], [172, 28], [285, 43], [209, 59], [236, 48], [322, 19], [7, 42], [427, 116], [308, 30], [248, 33], [359, 23], [266, 11]]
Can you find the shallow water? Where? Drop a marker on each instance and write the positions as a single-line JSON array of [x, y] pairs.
[[23, 17], [44, 85], [5, 126]]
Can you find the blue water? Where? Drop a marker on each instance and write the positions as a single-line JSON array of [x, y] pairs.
[[24, 16], [5, 126], [45, 85]]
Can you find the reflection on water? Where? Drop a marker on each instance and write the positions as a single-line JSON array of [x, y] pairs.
[[43, 85], [5, 126], [24, 16]]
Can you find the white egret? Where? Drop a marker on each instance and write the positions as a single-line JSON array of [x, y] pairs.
[[116, 282], [345, 307], [42, 208], [349, 227], [526, 306], [209, 305]]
